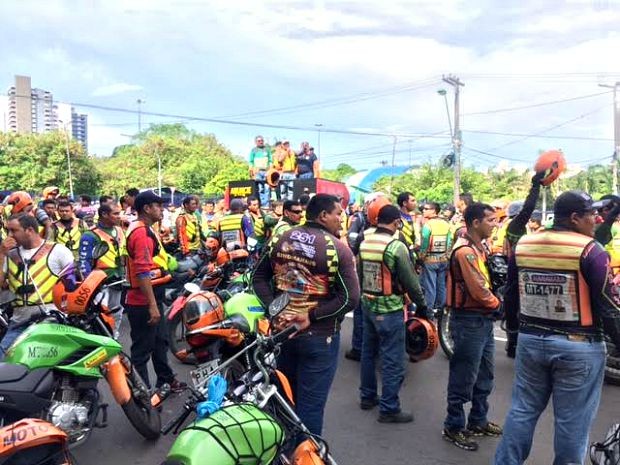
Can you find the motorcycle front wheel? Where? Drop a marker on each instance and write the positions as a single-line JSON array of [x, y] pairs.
[[139, 411], [445, 337]]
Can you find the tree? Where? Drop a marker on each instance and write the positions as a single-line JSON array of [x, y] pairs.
[[340, 174], [32, 162]]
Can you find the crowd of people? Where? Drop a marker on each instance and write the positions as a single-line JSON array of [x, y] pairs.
[[381, 260]]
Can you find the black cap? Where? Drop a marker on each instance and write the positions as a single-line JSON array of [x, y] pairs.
[[146, 198], [388, 214], [606, 200], [572, 202]]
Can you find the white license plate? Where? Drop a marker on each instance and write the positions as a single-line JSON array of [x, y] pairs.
[[200, 374]]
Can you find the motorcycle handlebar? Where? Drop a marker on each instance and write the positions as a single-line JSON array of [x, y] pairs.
[[283, 335], [178, 419]]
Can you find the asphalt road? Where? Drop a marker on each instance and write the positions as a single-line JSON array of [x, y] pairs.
[[354, 435]]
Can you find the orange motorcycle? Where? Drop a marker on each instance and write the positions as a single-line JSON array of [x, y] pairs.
[[32, 441]]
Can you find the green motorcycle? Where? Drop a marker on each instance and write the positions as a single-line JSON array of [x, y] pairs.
[[53, 368]]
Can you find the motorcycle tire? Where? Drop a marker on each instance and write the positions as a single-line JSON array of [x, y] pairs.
[[612, 366], [443, 327], [176, 341], [139, 411]]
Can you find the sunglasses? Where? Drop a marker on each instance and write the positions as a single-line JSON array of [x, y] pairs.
[[297, 212]]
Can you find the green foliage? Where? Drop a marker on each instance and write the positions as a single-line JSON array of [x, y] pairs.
[[340, 174], [191, 162], [32, 162]]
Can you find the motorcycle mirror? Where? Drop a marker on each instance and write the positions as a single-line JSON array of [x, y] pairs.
[[279, 304], [240, 322], [100, 250], [192, 288], [251, 244]]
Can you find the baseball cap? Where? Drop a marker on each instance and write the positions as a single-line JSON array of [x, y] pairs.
[[146, 198], [388, 214], [606, 200], [572, 202]]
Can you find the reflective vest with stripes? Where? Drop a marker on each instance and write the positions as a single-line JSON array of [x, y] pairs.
[[377, 279], [552, 289], [280, 228], [259, 226], [440, 231], [231, 229], [159, 269], [69, 237], [39, 276], [408, 231], [192, 229], [613, 248], [116, 248]]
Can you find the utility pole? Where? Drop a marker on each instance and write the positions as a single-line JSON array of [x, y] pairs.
[[457, 142], [318, 126], [140, 102], [614, 160]]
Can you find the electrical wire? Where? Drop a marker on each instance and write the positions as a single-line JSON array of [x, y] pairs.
[[512, 134]]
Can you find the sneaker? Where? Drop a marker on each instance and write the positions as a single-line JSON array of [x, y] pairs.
[[368, 404], [490, 429], [400, 417], [459, 439], [353, 354], [177, 386]]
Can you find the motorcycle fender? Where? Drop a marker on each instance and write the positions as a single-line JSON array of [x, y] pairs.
[[176, 307], [116, 376], [306, 454], [286, 386]]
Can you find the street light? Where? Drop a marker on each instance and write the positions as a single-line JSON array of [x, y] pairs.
[[64, 125], [444, 93], [318, 126], [140, 102]]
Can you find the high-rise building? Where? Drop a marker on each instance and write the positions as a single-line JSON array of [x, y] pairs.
[[34, 111], [79, 128]]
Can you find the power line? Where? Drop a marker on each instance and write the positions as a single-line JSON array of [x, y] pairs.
[[512, 134], [536, 105]]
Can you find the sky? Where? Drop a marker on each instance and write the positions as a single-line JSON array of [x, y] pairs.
[[359, 80]]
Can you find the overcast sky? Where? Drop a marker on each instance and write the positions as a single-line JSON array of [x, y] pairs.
[[371, 67]]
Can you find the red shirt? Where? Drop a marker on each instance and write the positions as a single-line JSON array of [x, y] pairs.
[[141, 249]]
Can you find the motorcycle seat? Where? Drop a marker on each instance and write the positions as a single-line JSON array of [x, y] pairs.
[[12, 372]]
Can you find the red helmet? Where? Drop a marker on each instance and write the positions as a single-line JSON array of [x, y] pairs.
[[374, 207], [422, 339], [20, 200]]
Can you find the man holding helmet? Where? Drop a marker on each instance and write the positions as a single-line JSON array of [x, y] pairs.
[[386, 275]]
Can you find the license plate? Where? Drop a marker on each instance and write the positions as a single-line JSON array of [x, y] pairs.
[[200, 374]]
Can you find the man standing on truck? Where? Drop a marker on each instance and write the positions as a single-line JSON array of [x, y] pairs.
[[260, 161]]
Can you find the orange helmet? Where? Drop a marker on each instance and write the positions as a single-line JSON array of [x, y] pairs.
[[201, 310], [34, 440], [374, 207], [422, 339], [272, 177], [50, 191], [76, 302], [238, 254], [553, 163], [20, 200], [212, 244], [222, 258]]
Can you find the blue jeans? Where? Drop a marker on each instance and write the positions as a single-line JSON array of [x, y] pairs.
[[309, 175], [471, 371], [13, 331], [309, 362], [264, 191], [286, 188], [358, 328], [433, 282], [384, 335], [569, 372]]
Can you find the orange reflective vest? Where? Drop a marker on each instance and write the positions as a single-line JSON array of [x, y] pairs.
[[552, 289], [159, 269]]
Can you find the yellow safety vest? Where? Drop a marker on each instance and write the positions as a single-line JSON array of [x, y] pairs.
[[69, 237], [159, 270], [231, 228], [192, 229], [39, 276], [551, 286], [440, 232], [408, 231], [613, 248], [377, 279], [259, 226], [116, 248]]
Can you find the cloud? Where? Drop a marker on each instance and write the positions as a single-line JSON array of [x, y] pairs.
[[117, 88]]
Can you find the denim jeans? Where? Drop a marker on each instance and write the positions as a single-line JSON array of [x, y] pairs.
[[149, 343], [384, 335], [286, 188], [13, 331], [309, 362], [433, 282], [471, 370], [309, 175], [569, 372], [358, 328], [264, 191]]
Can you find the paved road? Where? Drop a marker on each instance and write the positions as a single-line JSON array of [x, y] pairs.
[[356, 438]]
